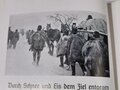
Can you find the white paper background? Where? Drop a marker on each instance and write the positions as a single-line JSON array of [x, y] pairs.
[[29, 6], [116, 24]]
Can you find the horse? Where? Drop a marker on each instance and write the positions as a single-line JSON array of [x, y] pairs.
[[95, 53], [53, 35]]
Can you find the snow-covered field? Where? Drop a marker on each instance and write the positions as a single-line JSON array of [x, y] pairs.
[[19, 62]]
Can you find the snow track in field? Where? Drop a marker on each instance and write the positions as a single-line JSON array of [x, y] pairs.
[[19, 62]]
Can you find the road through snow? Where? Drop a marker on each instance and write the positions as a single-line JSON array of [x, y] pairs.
[[19, 62]]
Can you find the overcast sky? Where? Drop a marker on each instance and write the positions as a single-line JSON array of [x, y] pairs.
[[32, 20]]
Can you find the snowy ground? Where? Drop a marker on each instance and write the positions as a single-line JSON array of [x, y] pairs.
[[19, 62]]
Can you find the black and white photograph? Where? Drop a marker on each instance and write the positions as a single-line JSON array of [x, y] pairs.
[[59, 43]]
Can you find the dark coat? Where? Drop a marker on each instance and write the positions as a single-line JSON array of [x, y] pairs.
[[75, 45]]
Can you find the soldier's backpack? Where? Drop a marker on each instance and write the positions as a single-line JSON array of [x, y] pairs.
[[38, 41]]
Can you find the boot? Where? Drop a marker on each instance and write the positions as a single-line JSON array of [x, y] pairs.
[[61, 61], [73, 70]]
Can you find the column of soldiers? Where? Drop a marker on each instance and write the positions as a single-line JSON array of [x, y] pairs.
[[73, 46], [90, 52]]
